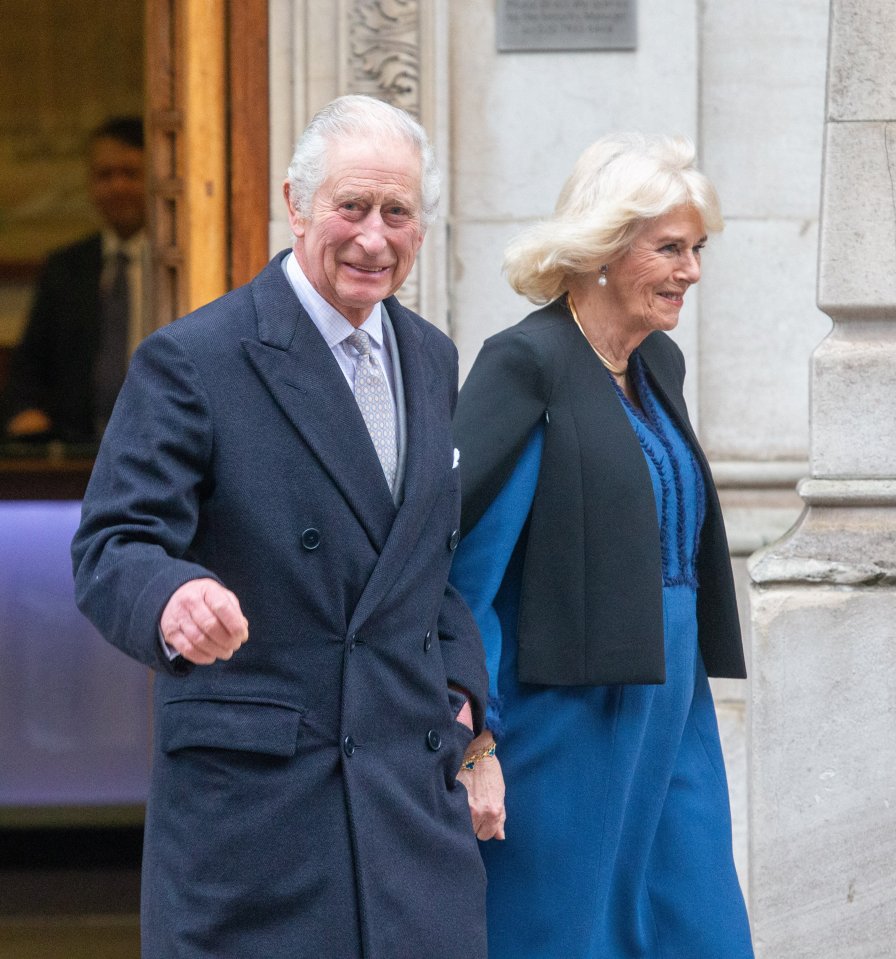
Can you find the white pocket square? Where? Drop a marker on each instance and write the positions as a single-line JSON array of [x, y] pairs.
[[456, 458]]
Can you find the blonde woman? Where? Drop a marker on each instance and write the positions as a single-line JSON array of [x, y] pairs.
[[595, 561]]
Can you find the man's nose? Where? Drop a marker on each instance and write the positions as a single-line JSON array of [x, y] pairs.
[[372, 233]]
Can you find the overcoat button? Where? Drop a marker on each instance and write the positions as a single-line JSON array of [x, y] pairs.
[[454, 539], [433, 740], [348, 745], [311, 538], [427, 641]]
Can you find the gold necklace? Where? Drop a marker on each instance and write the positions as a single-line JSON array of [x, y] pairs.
[[615, 370]]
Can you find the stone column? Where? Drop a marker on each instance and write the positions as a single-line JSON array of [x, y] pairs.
[[823, 717]]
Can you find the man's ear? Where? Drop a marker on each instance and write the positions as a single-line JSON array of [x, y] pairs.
[[296, 222]]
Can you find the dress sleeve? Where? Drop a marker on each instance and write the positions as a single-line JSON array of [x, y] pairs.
[[484, 553]]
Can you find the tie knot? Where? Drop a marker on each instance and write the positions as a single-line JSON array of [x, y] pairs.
[[360, 341]]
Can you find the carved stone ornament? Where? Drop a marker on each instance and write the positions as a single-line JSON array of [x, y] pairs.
[[384, 51]]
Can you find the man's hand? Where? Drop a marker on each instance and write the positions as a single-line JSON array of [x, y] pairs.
[[203, 622], [485, 791]]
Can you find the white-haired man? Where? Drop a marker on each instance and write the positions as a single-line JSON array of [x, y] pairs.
[[270, 525]]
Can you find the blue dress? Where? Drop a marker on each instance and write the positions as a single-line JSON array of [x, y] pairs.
[[618, 824]]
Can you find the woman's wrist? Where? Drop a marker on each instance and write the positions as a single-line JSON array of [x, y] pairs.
[[482, 748]]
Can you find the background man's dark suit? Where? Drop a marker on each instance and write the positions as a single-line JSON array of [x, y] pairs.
[[66, 371], [52, 368], [304, 800]]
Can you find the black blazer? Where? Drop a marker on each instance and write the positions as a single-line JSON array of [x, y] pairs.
[[591, 606], [52, 367]]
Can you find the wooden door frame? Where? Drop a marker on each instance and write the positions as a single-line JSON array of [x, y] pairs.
[[208, 148], [249, 113]]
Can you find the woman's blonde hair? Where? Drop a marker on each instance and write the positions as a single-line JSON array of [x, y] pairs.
[[617, 184]]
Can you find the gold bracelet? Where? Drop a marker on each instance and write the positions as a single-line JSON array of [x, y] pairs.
[[484, 753]]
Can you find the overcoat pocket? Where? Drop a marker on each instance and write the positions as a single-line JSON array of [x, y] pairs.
[[243, 725]]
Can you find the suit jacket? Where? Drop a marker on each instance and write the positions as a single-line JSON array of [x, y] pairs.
[[591, 604], [303, 797], [52, 367]]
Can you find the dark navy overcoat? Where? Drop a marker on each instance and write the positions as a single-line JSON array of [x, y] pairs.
[[303, 799]]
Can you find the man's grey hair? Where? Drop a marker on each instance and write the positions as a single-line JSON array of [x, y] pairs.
[[359, 116]]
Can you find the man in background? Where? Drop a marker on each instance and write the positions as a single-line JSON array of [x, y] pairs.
[[87, 313]]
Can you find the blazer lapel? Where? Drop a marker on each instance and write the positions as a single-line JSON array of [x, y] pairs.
[[295, 364]]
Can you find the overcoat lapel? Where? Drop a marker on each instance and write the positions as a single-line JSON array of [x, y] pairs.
[[423, 478], [297, 367], [299, 370]]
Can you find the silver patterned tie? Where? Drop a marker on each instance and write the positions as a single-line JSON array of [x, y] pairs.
[[375, 402]]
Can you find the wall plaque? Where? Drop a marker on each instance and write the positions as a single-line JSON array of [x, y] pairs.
[[567, 25]]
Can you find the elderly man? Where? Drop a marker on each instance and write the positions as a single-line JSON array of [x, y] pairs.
[[269, 525], [88, 312]]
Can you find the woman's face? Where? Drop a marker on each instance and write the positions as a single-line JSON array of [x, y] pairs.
[[646, 286]]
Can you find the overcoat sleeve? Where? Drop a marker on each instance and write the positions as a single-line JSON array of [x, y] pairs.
[[141, 508]]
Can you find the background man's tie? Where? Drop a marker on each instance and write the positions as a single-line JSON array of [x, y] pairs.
[[112, 358], [375, 402]]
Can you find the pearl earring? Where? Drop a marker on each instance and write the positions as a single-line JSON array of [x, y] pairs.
[[602, 279]]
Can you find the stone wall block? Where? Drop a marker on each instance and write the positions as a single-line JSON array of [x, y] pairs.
[[757, 300], [520, 119], [854, 402], [861, 79], [482, 302], [823, 789], [762, 104], [857, 252]]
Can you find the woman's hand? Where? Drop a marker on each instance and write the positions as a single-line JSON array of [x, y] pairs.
[[485, 790]]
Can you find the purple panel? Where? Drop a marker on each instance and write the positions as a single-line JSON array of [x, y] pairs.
[[74, 711]]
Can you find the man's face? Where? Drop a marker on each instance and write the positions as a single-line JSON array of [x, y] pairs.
[[116, 183], [365, 228]]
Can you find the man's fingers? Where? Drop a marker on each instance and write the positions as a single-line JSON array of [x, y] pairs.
[[206, 628], [203, 622], [190, 651], [226, 609]]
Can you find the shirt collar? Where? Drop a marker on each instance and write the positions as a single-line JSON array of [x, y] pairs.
[[333, 326], [133, 246]]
